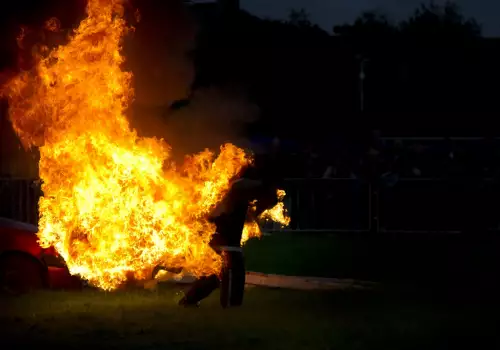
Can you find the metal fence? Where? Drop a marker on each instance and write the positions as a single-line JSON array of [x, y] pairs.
[[19, 199], [408, 205], [326, 205], [317, 205]]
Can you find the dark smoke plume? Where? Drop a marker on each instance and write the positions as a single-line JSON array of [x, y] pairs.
[[159, 55]]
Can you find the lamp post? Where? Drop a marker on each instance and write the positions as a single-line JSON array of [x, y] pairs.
[[362, 63]]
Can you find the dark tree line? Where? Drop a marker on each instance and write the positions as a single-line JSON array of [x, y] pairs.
[[431, 72]]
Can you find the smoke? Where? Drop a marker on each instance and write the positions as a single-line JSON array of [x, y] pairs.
[[159, 55], [157, 52], [213, 117]]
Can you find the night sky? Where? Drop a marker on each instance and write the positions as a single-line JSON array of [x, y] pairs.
[[328, 13]]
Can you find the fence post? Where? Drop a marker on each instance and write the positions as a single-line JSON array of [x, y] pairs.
[[38, 194], [297, 207], [28, 208], [20, 200], [374, 189]]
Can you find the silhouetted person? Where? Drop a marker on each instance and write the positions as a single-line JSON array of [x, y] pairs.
[[259, 182]]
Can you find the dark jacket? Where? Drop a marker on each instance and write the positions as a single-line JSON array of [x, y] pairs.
[[258, 182]]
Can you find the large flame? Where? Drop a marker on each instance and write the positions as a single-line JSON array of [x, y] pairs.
[[113, 204]]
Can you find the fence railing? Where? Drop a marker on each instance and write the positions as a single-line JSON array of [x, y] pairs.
[[317, 205], [340, 204], [19, 199], [408, 205]]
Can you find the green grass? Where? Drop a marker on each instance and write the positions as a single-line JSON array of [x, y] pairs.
[[377, 257], [300, 255], [269, 319]]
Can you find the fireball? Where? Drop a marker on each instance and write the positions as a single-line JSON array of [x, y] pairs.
[[114, 204]]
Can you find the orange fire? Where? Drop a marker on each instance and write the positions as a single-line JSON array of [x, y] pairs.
[[114, 203], [276, 214]]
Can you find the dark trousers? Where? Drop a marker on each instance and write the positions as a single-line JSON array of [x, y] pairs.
[[226, 242], [231, 280]]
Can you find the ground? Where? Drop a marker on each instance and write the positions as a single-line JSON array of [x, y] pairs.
[[270, 319], [435, 292]]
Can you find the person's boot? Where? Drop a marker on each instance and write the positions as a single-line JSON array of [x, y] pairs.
[[188, 303], [200, 289]]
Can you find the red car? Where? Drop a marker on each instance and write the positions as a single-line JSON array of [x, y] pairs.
[[25, 266]]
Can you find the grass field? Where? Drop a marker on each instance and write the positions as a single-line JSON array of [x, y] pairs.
[[435, 258], [270, 319], [420, 315], [299, 254]]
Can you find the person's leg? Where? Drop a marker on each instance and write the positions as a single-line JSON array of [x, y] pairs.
[[226, 241], [228, 244], [232, 279], [200, 289]]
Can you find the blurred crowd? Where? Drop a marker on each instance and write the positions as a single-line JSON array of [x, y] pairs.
[[466, 167], [393, 158]]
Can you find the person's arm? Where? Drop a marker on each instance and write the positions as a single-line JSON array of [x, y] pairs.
[[244, 184], [267, 200]]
